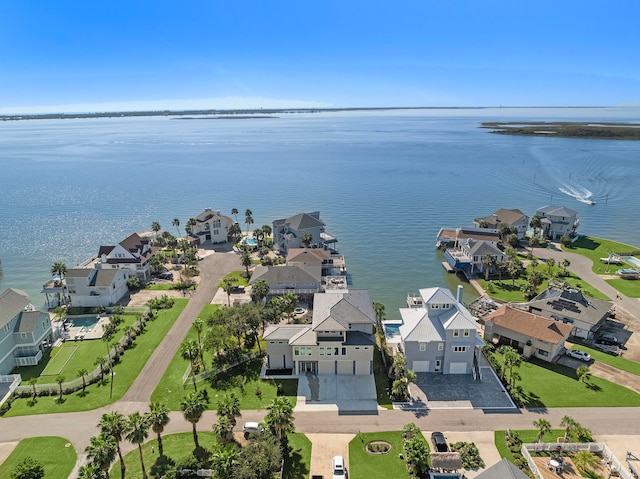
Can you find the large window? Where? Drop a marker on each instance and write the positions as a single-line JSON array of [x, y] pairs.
[[456, 333], [423, 346], [459, 349]]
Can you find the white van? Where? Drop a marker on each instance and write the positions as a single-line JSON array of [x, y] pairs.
[[338, 470]]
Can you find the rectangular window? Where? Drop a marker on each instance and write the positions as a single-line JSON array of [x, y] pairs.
[[456, 333], [440, 346], [542, 352], [423, 347], [296, 351], [466, 332], [459, 349], [328, 351], [435, 306], [344, 351], [335, 352], [308, 351], [321, 351], [216, 232]]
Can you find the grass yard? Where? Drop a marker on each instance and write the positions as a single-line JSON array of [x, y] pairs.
[[238, 277], [615, 361], [527, 436], [59, 358], [629, 287], [541, 382], [363, 465], [126, 371], [52, 452], [596, 248], [178, 446]]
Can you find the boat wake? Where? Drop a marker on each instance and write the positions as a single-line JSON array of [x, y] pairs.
[[580, 193]]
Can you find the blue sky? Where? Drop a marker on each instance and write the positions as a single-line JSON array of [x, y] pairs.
[[137, 54]]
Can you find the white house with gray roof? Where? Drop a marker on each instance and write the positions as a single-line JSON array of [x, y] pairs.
[[468, 255], [25, 333], [287, 232], [558, 221], [439, 335], [339, 341], [96, 287], [211, 227]]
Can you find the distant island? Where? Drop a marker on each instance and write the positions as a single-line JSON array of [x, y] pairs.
[[561, 129]]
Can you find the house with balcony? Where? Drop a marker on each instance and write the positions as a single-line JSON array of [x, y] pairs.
[[513, 218], [304, 281], [339, 341], [528, 333], [288, 232], [25, 333], [96, 287], [558, 221], [453, 237], [211, 227], [132, 254], [439, 335], [468, 256]]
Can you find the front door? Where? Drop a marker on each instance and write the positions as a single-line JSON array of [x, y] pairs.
[[308, 367]]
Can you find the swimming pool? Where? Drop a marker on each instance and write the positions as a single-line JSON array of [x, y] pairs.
[[86, 322], [444, 475], [391, 328], [248, 241], [632, 260]]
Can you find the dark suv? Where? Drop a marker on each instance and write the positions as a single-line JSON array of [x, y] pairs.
[[608, 339], [439, 442]]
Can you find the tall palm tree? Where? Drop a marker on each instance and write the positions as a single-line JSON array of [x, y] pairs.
[[89, 471], [155, 227], [280, 417], [569, 425], [101, 451], [229, 406], [245, 260], [82, 372], [259, 290], [158, 416], [235, 231], [248, 219], [488, 261], [234, 212], [198, 325], [266, 230], [536, 224], [227, 285], [59, 269], [60, 379], [191, 222], [138, 433], [543, 426], [223, 429], [190, 350], [193, 406], [176, 223], [115, 425]]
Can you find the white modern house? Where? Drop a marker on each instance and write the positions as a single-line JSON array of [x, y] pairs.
[[288, 232], [439, 334], [25, 333], [558, 221], [339, 341], [132, 254], [96, 287], [211, 227]]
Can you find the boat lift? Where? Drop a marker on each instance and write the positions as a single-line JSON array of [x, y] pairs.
[[630, 457]]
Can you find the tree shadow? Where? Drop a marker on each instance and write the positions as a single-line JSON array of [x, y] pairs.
[[585, 242], [593, 387], [294, 466]]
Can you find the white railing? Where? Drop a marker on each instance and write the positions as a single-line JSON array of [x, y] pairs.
[[27, 360], [14, 380]]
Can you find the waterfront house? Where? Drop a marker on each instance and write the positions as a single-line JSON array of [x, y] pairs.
[[339, 340], [570, 306], [439, 335], [303, 281], [452, 237], [558, 221], [211, 227], [96, 287], [132, 254], [468, 256], [528, 333], [514, 218], [25, 333], [288, 232]]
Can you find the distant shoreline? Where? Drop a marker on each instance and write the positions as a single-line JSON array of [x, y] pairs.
[[560, 129]]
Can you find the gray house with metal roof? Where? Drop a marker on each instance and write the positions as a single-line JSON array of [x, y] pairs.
[[25, 333], [287, 233], [439, 335], [339, 341], [558, 221]]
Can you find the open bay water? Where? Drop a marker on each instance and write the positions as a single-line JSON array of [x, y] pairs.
[[384, 182]]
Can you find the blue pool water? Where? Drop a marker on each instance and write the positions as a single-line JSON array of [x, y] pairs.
[[87, 322], [632, 260], [251, 242], [391, 328]]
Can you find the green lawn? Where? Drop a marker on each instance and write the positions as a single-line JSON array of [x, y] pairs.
[[126, 371], [382, 383], [178, 446], [52, 452], [363, 465], [238, 277], [596, 248], [615, 361], [526, 436], [159, 286], [629, 287], [541, 382]]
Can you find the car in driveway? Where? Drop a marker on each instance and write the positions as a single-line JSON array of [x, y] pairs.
[[578, 354], [439, 442], [608, 339], [338, 469], [251, 428]]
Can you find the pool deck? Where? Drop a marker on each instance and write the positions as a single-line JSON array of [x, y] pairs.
[[81, 333]]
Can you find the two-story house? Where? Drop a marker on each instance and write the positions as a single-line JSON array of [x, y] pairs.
[[25, 333], [303, 281], [96, 287], [558, 221], [288, 232], [211, 227], [510, 217], [132, 254], [469, 256], [439, 335], [340, 339]]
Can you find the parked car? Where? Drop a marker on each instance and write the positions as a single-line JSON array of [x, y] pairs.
[[338, 469], [608, 339], [250, 428], [578, 354], [439, 442]]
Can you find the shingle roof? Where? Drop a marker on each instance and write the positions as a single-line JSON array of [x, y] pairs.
[[28, 321], [570, 303], [12, 301], [308, 256], [556, 210], [275, 332], [505, 216], [78, 272], [104, 277], [502, 470], [351, 307], [453, 234], [301, 221], [274, 275], [529, 324], [480, 248]]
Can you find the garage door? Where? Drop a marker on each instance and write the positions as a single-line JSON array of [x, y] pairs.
[[363, 367], [458, 368], [345, 367], [420, 366]]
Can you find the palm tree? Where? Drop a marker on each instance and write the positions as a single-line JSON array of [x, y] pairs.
[[138, 433], [536, 224], [60, 379], [583, 374], [550, 264], [192, 408], [198, 325], [190, 350], [266, 230], [158, 417], [259, 290], [515, 269], [114, 425], [155, 227], [534, 242], [59, 269], [229, 406], [543, 427], [585, 460], [82, 372], [89, 471], [100, 362], [235, 231], [223, 429], [101, 451], [488, 261], [306, 239], [176, 223], [245, 261], [378, 308], [565, 264], [191, 222], [234, 212], [224, 460], [227, 285], [248, 219], [280, 417], [569, 425]]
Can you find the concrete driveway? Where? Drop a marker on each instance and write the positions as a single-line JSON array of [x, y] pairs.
[[323, 448], [349, 394]]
